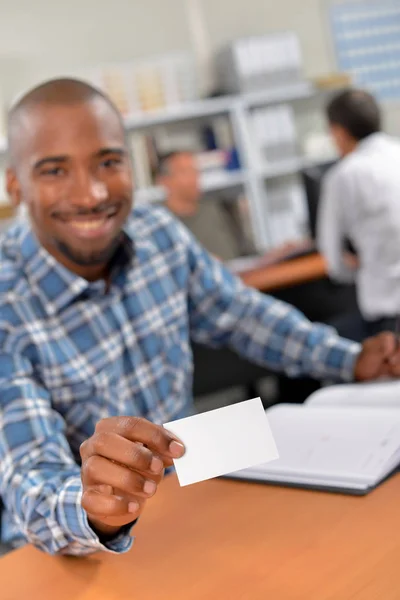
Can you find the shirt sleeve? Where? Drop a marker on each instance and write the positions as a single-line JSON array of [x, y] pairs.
[[223, 311], [331, 228], [40, 482]]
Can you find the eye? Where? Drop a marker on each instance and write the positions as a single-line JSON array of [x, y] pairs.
[[52, 172], [111, 162]]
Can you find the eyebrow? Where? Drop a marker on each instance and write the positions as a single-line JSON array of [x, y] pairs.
[[115, 150], [62, 158], [49, 159]]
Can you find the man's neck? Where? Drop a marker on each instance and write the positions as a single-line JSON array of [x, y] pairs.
[[351, 146], [88, 272]]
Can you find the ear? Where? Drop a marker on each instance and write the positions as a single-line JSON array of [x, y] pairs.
[[13, 187]]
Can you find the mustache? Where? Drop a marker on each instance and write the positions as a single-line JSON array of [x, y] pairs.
[[108, 208]]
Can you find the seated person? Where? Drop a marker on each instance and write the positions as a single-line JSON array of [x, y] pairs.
[[214, 222], [97, 307], [360, 204]]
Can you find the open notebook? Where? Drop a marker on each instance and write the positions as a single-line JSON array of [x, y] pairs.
[[343, 448]]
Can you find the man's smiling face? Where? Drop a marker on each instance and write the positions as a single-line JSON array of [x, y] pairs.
[[72, 170]]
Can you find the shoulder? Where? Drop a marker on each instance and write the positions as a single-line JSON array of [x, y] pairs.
[[14, 289], [341, 171], [11, 263], [343, 177]]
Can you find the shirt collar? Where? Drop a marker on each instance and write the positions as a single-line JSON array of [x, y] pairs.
[[371, 139], [56, 285]]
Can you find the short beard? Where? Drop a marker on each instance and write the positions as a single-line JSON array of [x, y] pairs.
[[93, 259]]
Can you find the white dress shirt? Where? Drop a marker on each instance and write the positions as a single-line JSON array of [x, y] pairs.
[[360, 202]]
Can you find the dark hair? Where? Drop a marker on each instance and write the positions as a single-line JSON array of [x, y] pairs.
[[356, 111]]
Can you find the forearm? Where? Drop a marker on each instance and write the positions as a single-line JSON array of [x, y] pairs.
[[47, 510], [277, 336], [40, 481], [280, 337], [263, 329]]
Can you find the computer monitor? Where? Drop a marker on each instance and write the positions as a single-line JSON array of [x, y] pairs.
[[312, 179]]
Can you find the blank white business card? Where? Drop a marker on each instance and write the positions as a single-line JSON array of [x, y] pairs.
[[222, 441]]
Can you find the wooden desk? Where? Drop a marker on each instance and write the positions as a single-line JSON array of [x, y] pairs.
[[233, 541], [288, 273]]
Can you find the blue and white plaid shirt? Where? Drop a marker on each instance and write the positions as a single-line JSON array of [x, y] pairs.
[[73, 352]]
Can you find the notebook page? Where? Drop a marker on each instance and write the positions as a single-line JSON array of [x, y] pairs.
[[344, 445], [382, 394]]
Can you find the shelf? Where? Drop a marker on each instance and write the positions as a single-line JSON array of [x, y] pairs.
[[295, 91], [290, 166], [218, 106], [211, 107], [210, 182], [149, 195], [283, 167], [182, 112]]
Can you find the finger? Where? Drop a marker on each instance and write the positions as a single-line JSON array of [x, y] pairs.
[[387, 343], [135, 429], [100, 506], [97, 470], [394, 366], [118, 449]]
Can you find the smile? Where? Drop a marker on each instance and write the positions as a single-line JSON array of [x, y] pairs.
[[91, 226]]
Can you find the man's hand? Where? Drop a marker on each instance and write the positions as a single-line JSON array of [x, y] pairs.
[[380, 357], [122, 465]]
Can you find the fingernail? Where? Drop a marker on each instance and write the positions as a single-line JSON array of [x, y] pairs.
[[149, 487], [133, 507], [156, 465], [177, 449]]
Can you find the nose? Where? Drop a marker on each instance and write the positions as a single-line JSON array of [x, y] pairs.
[[89, 191]]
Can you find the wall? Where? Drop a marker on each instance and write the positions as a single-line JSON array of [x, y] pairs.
[[41, 38], [253, 17]]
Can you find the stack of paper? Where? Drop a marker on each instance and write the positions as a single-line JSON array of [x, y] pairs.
[[147, 85], [274, 128], [259, 62], [287, 213]]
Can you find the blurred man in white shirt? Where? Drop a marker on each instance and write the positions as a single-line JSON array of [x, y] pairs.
[[360, 204]]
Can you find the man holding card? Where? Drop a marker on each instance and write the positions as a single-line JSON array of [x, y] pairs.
[[98, 304]]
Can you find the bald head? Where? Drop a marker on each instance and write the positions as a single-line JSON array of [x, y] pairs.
[[56, 92]]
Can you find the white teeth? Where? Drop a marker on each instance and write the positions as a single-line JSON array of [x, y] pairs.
[[88, 224]]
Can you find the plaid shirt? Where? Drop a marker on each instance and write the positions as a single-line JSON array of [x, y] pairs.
[[74, 352]]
